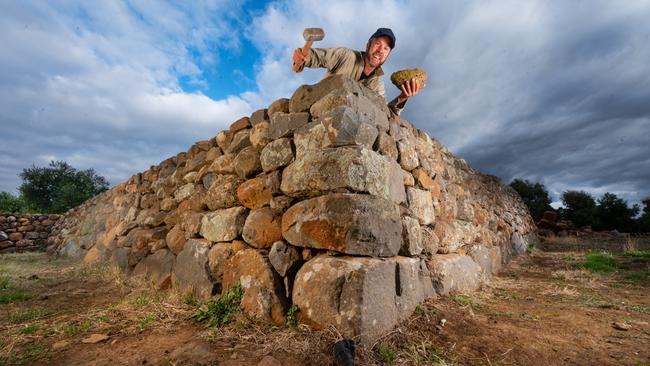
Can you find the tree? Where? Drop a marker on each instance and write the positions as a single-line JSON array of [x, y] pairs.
[[643, 223], [612, 213], [535, 196], [11, 203], [59, 187], [579, 207]]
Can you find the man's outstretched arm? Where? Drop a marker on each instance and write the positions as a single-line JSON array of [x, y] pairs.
[[318, 57], [409, 89]]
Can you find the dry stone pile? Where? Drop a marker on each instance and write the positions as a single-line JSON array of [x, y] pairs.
[[324, 200], [24, 232]]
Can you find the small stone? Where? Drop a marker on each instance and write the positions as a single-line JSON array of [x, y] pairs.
[[284, 258], [60, 345], [95, 338], [621, 326], [400, 77]]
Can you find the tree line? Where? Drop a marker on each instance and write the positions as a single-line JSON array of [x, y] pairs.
[[53, 189], [608, 212]]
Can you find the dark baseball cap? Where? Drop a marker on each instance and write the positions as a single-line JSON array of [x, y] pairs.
[[385, 32]]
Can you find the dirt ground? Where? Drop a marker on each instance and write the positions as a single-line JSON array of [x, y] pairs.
[[544, 308]]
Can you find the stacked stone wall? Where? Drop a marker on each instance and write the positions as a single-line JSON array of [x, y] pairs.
[[324, 200], [24, 232]]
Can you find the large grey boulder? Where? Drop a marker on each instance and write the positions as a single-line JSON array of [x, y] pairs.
[[454, 273], [359, 296], [191, 271], [347, 223], [306, 96], [350, 167], [488, 258], [338, 127], [366, 107], [157, 268], [284, 124]]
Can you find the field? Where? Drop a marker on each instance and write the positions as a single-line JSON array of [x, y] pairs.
[[566, 302]]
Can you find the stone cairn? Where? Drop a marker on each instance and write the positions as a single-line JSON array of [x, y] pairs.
[[24, 232], [324, 201]]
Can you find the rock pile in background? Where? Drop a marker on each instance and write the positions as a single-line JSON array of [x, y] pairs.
[[24, 232], [324, 200]]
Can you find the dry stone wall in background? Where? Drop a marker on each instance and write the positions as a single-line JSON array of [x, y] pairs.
[[24, 232], [324, 200]]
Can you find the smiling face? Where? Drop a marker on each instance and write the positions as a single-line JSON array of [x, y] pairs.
[[377, 51]]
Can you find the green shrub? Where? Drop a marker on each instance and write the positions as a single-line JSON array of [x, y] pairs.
[[387, 353], [291, 316], [220, 310]]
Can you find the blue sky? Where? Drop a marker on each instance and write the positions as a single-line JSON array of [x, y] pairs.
[[555, 92]]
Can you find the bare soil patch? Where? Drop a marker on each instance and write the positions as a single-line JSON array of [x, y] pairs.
[[544, 308]]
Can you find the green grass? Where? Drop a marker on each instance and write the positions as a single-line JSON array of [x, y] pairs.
[[146, 322], [74, 329], [600, 262], [4, 283], [29, 329], [636, 276], [9, 293], [466, 301], [28, 315], [387, 353], [640, 308], [637, 253], [220, 311], [291, 316], [30, 353]]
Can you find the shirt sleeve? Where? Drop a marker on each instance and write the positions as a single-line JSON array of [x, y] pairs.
[[329, 58], [396, 107]]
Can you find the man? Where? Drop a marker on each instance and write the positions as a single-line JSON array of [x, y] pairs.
[[364, 67]]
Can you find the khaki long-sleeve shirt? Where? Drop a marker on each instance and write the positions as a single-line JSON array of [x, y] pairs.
[[348, 62]]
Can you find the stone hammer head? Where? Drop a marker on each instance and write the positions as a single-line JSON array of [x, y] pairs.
[[313, 34]]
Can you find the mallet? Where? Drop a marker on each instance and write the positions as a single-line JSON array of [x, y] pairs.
[[311, 35]]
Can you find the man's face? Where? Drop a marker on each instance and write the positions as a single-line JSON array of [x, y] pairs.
[[377, 51]]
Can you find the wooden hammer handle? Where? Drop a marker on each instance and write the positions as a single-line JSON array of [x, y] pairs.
[[305, 49]]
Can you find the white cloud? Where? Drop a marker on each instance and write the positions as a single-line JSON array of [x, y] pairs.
[[550, 91]]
